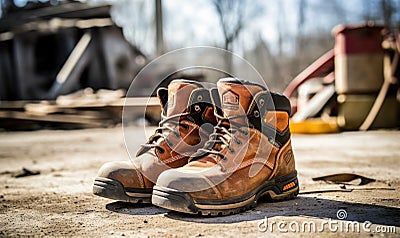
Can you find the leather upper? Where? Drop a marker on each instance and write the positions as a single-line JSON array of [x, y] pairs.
[[257, 151], [189, 105]]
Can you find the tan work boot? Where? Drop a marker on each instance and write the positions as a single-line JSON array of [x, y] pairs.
[[249, 155], [188, 120]]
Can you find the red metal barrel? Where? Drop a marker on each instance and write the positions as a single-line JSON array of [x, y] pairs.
[[358, 59]]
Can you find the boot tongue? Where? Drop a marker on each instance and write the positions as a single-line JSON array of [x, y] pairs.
[[179, 92], [236, 95]]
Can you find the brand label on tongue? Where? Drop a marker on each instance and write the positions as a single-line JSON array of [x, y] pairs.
[[230, 100], [171, 100]]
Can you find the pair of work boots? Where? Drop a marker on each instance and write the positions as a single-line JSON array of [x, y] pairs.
[[216, 152]]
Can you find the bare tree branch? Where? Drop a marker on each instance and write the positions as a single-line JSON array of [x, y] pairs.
[[233, 16]]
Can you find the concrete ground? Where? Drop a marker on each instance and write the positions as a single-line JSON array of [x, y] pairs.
[[59, 201]]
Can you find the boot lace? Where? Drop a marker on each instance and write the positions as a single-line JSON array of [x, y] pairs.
[[226, 127], [165, 129]]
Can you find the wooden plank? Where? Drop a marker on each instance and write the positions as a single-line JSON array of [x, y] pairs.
[[138, 101], [78, 112], [61, 118], [14, 104], [51, 107]]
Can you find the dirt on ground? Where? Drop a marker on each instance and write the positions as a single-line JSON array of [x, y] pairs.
[[53, 195]]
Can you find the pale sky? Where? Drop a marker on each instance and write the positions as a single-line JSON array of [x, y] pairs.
[[195, 23]]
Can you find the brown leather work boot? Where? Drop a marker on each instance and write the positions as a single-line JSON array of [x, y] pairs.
[[188, 120], [248, 156]]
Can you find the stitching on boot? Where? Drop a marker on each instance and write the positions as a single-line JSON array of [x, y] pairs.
[[213, 187], [140, 178], [278, 155], [175, 158]]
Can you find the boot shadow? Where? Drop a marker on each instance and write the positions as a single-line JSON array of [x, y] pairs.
[[135, 209], [304, 206]]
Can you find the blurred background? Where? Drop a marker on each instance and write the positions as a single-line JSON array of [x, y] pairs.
[[67, 65], [71, 62]]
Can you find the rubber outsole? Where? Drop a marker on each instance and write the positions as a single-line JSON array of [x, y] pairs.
[[280, 189], [112, 189]]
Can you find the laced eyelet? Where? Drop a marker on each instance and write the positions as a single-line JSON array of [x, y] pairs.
[[169, 143], [256, 113], [185, 127], [238, 142], [177, 135], [197, 108], [246, 133], [199, 98], [232, 151], [224, 159], [160, 150]]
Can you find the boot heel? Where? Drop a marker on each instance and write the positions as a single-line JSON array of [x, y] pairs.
[[283, 188]]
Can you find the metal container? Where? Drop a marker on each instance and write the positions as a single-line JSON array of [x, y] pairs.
[[358, 59], [353, 109]]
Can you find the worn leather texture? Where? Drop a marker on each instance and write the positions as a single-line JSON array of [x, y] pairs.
[[250, 159], [173, 148]]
